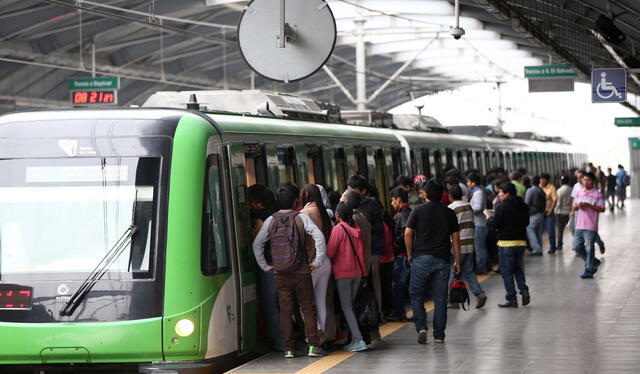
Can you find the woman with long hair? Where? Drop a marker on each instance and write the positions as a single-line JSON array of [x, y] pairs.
[[315, 209]]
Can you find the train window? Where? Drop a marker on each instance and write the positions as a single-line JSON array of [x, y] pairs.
[[256, 164], [60, 216], [449, 159], [214, 241], [437, 160], [341, 169], [507, 157], [287, 164], [460, 161], [381, 177], [361, 162], [315, 165], [479, 164], [397, 162], [426, 163]]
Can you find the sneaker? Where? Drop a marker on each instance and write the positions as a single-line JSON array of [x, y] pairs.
[[482, 299], [526, 299], [440, 341], [422, 337], [586, 275], [355, 346], [315, 352], [289, 354], [602, 249], [508, 304], [551, 251]]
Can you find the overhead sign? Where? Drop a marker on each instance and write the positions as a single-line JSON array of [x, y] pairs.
[[549, 72], [104, 83], [628, 122], [635, 143], [609, 85]]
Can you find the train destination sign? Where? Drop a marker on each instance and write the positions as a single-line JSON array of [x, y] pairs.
[[549, 72], [103, 83], [628, 122], [635, 143]]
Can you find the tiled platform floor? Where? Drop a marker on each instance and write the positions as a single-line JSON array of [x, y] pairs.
[[571, 326]]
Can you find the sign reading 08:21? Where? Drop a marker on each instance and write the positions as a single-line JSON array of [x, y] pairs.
[[609, 85]]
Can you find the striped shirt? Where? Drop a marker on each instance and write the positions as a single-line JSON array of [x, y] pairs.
[[464, 212]]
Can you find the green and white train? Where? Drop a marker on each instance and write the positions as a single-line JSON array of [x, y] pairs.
[[124, 233]]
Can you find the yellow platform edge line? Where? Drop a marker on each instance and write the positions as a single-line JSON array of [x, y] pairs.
[[334, 358]]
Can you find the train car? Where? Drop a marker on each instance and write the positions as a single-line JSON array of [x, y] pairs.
[[124, 233]]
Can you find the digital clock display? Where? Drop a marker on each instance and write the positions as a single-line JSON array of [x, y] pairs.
[[15, 297], [89, 97]]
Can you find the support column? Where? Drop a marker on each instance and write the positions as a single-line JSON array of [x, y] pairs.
[[361, 66]]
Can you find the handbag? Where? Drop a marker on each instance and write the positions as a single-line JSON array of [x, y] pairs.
[[458, 293]]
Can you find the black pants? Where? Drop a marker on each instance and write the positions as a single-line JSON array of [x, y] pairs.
[[386, 280]]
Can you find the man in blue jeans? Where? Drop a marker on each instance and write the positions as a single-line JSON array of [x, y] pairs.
[[399, 202], [478, 202], [431, 230], [511, 219], [590, 203]]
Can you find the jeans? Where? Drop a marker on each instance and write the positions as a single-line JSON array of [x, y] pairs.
[[534, 232], [549, 225], [512, 266], [347, 290], [561, 222], [268, 298], [584, 245], [481, 248], [611, 198], [426, 271], [292, 287], [401, 269], [467, 269]]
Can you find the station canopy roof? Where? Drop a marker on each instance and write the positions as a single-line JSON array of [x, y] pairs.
[[158, 45]]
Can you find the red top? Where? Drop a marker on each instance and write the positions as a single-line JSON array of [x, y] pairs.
[[343, 261], [387, 255]]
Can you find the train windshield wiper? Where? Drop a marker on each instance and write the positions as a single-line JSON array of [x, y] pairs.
[[97, 273]]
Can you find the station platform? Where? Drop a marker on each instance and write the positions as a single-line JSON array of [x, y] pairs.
[[571, 326]]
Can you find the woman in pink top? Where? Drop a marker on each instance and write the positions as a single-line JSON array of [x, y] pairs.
[[346, 251]]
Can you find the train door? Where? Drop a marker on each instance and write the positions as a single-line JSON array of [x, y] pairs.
[[224, 334], [351, 161], [302, 173], [362, 168], [437, 164], [287, 166], [273, 170], [246, 289], [427, 168]]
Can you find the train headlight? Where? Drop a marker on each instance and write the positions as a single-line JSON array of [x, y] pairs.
[[185, 327]]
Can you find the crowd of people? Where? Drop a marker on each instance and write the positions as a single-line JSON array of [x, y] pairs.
[[318, 250]]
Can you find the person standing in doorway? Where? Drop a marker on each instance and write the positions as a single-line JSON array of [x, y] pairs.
[[401, 267], [510, 220], [549, 221], [590, 203], [432, 229]]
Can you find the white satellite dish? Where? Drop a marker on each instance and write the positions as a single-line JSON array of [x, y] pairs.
[[286, 40]]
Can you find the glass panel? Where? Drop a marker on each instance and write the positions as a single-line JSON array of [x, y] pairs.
[[214, 244], [64, 215], [287, 164]]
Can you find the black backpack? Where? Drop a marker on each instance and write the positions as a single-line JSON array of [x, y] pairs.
[[458, 293]]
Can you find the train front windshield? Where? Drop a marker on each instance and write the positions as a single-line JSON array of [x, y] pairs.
[[59, 217]]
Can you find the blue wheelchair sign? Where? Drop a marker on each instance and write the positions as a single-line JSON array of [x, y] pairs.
[[609, 85]]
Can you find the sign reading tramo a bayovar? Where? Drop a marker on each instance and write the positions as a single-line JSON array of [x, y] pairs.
[[549, 71], [102, 83]]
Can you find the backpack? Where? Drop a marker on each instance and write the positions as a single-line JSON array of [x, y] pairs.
[[626, 180], [285, 242], [458, 293]]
